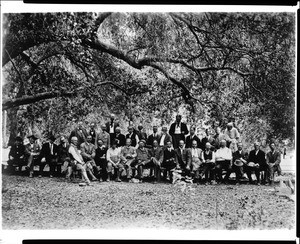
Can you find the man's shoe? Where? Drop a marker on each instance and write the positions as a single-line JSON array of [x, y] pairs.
[[30, 175], [51, 176], [94, 179], [118, 180], [40, 176], [237, 184]]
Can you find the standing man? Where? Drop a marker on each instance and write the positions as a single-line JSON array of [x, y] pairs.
[[119, 138], [88, 153], [169, 161], [63, 153], [100, 160], [104, 137], [273, 162], [257, 163], [183, 156], [80, 133], [232, 136], [111, 127], [133, 136], [178, 130], [192, 137], [239, 160], [93, 133], [128, 156], [195, 162], [155, 136], [49, 151], [217, 138], [223, 161], [165, 137], [141, 134]]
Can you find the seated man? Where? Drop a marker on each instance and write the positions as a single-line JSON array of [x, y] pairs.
[[223, 161], [239, 159], [257, 163], [16, 155], [169, 161], [49, 151], [273, 161], [183, 156], [77, 161], [88, 153], [32, 151], [208, 159], [63, 154], [100, 160], [113, 157], [195, 162], [157, 156], [128, 157]]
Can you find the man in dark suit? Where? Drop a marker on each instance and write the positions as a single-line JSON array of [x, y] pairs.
[[141, 134], [183, 155], [169, 161], [239, 159], [133, 136], [178, 130], [258, 159], [16, 155], [93, 132], [154, 136], [80, 133], [191, 137], [111, 127], [120, 139], [164, 137], [273, 160], [49, 151]]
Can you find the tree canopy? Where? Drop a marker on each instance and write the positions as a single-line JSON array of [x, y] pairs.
[[141, 66]]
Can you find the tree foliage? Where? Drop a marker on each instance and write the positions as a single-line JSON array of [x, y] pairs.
[[214, 66]]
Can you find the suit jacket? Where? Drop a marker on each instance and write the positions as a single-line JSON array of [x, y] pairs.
[[17, 151], [274, 157], [260, 158], [236, 155], [80, 136], [93, 133], [170, 155], [199, 151], [183, 158], [168, 137], [46, 151], [157, 153], [108, 125], [121, 140], [183, 128], [142, 135], [151, 138], [133, 138], [189, 140]]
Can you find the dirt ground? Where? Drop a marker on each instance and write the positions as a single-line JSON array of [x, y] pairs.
[[55, 204]]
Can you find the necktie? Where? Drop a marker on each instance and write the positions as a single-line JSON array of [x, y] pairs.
[[51, 148]]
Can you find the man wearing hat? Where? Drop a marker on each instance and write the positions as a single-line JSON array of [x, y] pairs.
[[256, 163], [32, 151], [49, 151], [239, 159], [16, 154], [232, 135]]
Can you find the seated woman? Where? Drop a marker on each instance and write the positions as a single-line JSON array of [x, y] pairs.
[[113, 157]]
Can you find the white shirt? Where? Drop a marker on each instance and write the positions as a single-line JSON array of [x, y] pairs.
[[111, 128], [177, 129], [113, 155], [224, 153], [162, 139], [76, 154], [194, 153]]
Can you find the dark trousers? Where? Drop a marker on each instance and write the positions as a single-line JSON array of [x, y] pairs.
[[208, 171], [32, 161], [168, 165], [52, 162], [272, 168], [102, 163], [220, 166], [238, 170], [176, 138]]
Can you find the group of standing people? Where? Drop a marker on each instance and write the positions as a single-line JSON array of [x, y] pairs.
[[108, 154]]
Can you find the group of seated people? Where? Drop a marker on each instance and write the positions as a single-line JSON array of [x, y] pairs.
[[108, 154]]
